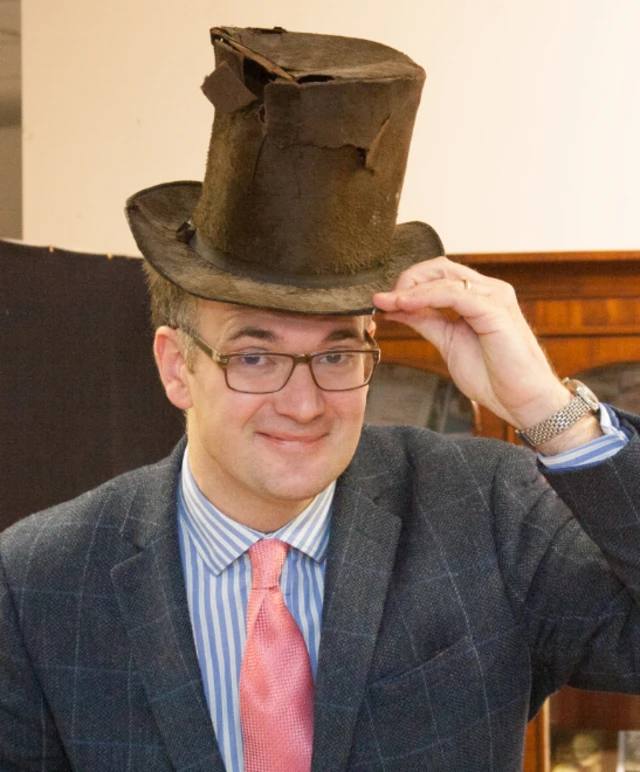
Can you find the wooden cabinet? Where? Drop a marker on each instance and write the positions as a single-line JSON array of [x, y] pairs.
[[585, 308]]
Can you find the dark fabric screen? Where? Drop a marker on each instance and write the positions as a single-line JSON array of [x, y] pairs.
[[80, 399]]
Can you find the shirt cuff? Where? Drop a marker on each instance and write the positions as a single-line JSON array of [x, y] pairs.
[[594, 452]]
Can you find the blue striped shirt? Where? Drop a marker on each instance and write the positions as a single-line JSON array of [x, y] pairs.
[[217, 573]]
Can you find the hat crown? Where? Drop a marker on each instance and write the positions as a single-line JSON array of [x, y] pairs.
[[308, 55], [307, 155], [297, 211]]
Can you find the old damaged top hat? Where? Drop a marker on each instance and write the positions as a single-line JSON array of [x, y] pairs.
[[307, 157]]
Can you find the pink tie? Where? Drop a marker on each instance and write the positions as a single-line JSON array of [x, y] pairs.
[[276, 685]]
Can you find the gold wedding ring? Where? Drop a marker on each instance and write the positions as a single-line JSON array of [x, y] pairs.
[[467, 284]]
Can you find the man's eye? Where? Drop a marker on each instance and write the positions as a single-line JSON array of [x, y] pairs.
[[335, 358], [252, 360]]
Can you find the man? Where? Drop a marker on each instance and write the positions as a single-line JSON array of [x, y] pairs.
[[289, 591]]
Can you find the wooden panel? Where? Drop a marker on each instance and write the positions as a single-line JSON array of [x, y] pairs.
[[577, 709], [574, 355], [603, 316], [537, 756], [569, 354], [387, 330], [547, 276], [514, 258]]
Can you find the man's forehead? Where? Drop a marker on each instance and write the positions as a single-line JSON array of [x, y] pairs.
[[230, 317]]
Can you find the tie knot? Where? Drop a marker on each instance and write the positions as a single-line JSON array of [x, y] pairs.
[[267, 557]]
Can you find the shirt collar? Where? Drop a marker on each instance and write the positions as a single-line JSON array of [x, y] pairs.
[[220, 540]]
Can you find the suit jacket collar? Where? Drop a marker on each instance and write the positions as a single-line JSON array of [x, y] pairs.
[[360, 558], [152, 510], [151, 594], [152, 597]]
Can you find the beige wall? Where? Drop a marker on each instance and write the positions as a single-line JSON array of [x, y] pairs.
[[527, 136]]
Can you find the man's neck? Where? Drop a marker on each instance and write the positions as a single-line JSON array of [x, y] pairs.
[[244, 507]]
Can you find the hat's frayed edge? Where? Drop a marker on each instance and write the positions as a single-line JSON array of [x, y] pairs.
[[156, 213]]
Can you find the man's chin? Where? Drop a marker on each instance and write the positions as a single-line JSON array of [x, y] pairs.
[[300, 482]]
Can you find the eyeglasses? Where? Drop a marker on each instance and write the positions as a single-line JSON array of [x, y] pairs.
[[264, 372]]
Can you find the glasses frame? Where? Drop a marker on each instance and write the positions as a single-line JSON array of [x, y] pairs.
[[222, 360]]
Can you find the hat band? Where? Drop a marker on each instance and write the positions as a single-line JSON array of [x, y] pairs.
[[232, 265]]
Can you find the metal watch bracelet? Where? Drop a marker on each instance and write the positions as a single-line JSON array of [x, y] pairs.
[[584, 401]]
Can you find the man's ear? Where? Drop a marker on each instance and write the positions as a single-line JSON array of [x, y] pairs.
[[167, 350], [371, 329]]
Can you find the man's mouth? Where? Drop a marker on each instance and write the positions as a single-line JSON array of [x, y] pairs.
[[287, 438]]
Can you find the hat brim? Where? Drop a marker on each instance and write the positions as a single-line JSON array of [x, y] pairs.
[[155, 214]]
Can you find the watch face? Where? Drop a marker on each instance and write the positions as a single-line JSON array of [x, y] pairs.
[[577, 387]]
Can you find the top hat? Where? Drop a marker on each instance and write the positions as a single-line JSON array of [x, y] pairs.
[[298, 207]]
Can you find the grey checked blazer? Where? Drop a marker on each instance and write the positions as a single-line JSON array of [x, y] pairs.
[[459, 593]]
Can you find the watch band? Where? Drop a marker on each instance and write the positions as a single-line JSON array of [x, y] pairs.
[[584, 401]]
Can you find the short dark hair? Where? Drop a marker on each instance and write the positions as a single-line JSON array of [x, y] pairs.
[[172, 306]]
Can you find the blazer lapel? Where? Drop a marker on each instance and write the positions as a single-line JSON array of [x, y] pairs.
[[152, 598], [360, 558]]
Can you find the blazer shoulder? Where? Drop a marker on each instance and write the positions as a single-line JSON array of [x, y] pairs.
[[420, 447], [75, 522]]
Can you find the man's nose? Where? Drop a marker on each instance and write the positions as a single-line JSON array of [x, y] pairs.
[[300, 399]]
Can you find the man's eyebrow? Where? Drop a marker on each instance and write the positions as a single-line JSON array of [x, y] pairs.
[[344, 333], [252, 332], [260, 333]]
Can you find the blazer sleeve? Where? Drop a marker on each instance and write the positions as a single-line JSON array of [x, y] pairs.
[[606, 500], [28, 737], [574, 575]]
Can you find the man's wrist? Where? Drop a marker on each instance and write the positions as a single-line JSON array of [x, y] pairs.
[[585, 430], [555, 397], [565, 425]]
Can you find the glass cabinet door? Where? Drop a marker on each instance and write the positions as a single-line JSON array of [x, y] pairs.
[[618, 385], [408, 396]]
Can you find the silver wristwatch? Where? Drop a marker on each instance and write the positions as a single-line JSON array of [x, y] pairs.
[[584, 401]]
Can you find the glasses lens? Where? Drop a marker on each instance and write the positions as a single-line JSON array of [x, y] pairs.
[[261, 373], [258, 373], [342, 370]]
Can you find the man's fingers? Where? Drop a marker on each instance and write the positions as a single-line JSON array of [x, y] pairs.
[[437, 268], [458, 294], [433, 274]]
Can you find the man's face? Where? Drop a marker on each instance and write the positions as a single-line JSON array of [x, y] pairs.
[[254, 453]]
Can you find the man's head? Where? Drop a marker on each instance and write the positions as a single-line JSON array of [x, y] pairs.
[[265, 452], [296, 214]]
